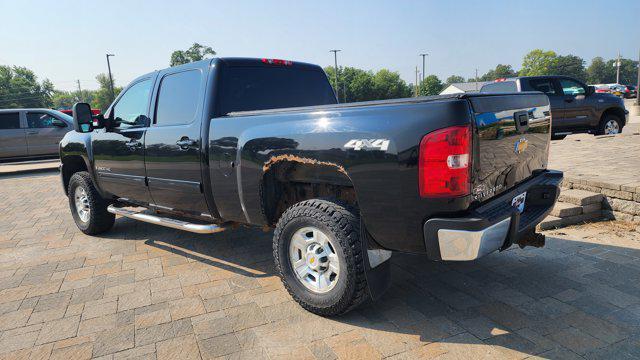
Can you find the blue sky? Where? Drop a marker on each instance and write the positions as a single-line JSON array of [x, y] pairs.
[[67, 40]]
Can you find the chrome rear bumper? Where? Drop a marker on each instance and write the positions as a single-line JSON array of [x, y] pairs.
[[464, 245]]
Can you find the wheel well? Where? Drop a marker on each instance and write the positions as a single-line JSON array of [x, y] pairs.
[[71, 165], [614, 111], [290, 182]]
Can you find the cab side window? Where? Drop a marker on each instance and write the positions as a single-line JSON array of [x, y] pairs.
[[178, 98], [544, 85], [571, 87], [40, 120], [131, 109], [9, 121]]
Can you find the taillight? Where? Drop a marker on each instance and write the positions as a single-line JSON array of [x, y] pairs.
[[445, 162]]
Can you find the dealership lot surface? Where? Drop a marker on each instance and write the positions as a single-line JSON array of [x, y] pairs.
[[148, 292]]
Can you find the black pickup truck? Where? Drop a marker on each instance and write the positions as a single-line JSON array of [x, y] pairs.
[[205, 145]]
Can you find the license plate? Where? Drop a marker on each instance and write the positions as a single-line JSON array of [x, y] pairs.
[[518, 202]]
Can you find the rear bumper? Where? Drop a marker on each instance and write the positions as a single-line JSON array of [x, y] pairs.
[[495, 225]]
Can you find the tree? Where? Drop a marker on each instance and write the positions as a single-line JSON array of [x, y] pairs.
[[599, 73], [196, 52], [19, 87], [501, 71], [538, 62], [389, 85], [569, 65], [430, 86], [454, 79], [361, 85], [65, 99], [102, 97], [628, 71]]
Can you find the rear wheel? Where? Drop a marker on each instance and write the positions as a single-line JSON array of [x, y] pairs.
[[610, 125], [88, 208], [318, 255]]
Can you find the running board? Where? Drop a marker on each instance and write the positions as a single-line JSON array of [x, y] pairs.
[[165, 221]]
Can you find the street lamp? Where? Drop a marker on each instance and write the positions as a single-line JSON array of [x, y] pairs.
[[424, 55], [335, 59], [113, 94]]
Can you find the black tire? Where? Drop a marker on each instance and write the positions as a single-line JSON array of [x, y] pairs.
[[558, 137], [342, 225], [605, 120], [100, 220]]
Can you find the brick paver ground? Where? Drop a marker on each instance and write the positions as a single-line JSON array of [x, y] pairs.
[[142, 291]]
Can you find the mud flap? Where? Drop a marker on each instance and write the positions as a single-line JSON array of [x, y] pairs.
[[379, 277]]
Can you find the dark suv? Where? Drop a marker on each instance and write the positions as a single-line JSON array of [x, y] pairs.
[[575, 107]]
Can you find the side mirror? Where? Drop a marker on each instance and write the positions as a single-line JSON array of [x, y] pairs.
[[82, 118], [58, 123]]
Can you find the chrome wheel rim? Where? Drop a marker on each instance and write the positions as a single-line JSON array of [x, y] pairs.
[[314, 260], [611, 127], [82, 204]]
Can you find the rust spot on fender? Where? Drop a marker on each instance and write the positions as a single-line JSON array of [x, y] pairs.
[[302, 160]]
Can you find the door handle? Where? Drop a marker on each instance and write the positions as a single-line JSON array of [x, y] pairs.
[[568, 100], [185, 143], [133, 144]]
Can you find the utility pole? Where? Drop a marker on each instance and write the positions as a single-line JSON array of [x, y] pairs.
[[335, 60], [476, 79], [416, 87], [618, 69], [113, 94], [423, 62], [80, 97]]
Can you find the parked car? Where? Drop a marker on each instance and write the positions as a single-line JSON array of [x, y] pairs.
[[617, 90], [631, 92], [576, 107], [263, 142], [32, 133], [602, 89], [70, 111]]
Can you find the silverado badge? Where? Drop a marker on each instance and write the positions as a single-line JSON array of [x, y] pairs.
[[521, 145]]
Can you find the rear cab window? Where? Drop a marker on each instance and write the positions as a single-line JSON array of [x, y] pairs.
[[9, 121], [247, 88], [500, 87]]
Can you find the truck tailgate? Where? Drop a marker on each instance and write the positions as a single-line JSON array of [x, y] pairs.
[[511, 142]]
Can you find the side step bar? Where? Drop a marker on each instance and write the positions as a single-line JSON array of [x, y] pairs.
[[165, 221]]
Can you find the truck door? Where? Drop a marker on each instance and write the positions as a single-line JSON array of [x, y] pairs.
[[556, 101], [44, 132], [13, 142], [119, 152], [173, 141], [577, 111]]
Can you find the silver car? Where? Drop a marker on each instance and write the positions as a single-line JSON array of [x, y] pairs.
[[31, 133]]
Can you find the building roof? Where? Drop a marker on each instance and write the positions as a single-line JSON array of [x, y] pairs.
[[464, 87]]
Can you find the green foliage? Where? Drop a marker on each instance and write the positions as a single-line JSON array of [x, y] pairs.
[[196, 52], [454, 79], [362, 85], [538, 62], [19, 87], [102, 97], [628, 71], [501, 71], [65, 99], [599, 73], [430, 86]]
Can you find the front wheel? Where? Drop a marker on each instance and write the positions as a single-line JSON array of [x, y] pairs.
[[88, 208], [610, 125], [318, 255]]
